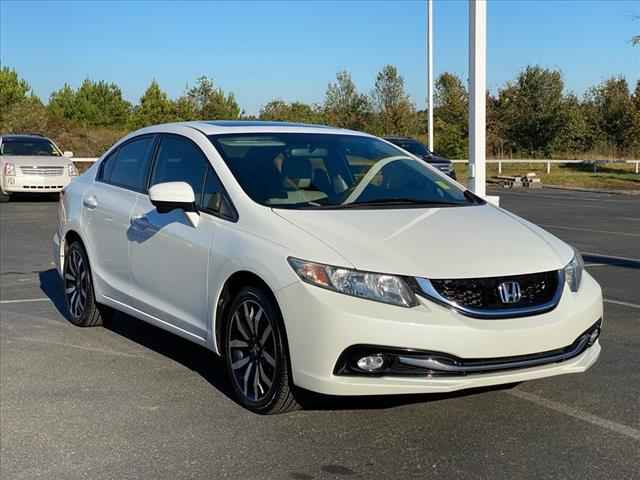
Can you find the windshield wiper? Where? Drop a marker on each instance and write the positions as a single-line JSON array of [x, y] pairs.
[[395, 201]]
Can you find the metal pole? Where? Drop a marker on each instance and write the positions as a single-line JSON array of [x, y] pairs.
[[477, 95], [430, 70]]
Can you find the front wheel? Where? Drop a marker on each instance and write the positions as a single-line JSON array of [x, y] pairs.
[[256, 355]]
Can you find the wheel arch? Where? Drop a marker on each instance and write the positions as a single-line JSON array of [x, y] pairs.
[[232, 286]]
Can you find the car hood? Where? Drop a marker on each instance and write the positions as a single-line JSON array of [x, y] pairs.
[[451, 242], [25, 160]]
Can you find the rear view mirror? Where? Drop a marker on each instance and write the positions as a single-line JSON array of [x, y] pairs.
[[67, 154], [175, 195]]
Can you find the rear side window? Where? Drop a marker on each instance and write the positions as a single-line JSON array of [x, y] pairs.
[[128, 167], [180, 160]]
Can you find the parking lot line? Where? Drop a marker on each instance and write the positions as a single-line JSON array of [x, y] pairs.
[[26, 300], [619, 428], [624, 304]]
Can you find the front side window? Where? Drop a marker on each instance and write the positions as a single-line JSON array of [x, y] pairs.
[[180, 160], [301, 170], [128, 168], [35, 147]]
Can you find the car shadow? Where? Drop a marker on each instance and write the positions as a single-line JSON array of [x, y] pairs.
[[211, 367], [34, 197], [318, 402], [51, 286]]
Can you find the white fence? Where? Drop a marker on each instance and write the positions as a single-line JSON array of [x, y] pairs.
[[595, 163]]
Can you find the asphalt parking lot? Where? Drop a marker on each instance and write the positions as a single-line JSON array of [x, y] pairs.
[[131, 401]]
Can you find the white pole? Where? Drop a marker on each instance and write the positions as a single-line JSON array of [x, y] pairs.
[[430, 69], [477, 95]]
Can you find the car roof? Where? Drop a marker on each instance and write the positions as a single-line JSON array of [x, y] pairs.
[[218, 127]]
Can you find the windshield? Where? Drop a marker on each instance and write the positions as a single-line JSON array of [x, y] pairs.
[[301, 170], [39, 147]]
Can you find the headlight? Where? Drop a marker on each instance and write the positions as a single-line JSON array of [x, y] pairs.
[[573, 271], [73, 171], [372, 286], [9, 170]]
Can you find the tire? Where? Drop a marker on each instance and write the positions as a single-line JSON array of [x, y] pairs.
[[256, 354], [4, 197], [78, 289]]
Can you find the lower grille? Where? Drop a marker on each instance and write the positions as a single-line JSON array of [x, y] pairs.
[[43, 171], [482, 297]]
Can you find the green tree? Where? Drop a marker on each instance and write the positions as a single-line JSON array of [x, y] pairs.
[[210, 102], [611, 113], [94, 104], [530, 110], [344, 107], [396, 112], [155, 107], [13, 89], [574, 135], [184, 109], [451, 116], [62, 102], [279, 110], [28, 115]]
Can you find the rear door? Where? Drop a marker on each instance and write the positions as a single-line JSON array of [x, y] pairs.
[[107, 205], [169, 257]]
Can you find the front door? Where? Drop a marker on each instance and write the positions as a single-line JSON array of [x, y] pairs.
[[168, 256]]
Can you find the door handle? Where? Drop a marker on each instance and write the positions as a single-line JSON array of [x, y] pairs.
[[141, 223], [90, 202]]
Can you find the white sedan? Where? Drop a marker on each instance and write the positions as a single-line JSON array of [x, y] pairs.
[[320, 258]]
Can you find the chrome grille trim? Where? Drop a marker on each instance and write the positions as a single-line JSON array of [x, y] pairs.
[[427, 289], [44, 171]]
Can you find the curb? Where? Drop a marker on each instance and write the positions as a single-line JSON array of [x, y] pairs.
[[593, 190]]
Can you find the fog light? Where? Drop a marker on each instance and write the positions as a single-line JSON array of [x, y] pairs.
[[593, 336], [371, 363]]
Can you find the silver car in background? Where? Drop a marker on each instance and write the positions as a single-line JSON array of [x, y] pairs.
[[33, 164]]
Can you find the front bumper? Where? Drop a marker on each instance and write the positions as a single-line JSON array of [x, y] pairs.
[[35, 183], [322, 324]]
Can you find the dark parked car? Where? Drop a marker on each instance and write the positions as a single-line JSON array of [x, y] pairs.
[[420, 150]]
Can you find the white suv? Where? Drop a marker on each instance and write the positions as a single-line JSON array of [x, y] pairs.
[[33, 164], [322, 258]]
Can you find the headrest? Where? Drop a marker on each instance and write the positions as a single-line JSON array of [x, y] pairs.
[[297, 168]]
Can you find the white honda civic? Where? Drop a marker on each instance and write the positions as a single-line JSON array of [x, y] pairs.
[[320, 258]]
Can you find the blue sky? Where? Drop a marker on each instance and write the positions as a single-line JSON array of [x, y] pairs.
[[266, 49]]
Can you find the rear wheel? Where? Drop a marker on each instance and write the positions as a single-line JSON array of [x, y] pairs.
[[78, 289], [256, 355], [3, 197]]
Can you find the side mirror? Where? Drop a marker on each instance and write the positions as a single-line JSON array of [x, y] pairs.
[[175, 195], [67, 154]]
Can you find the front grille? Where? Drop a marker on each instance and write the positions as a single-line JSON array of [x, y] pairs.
[[480, 297], [482, 293], [43, 171]]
